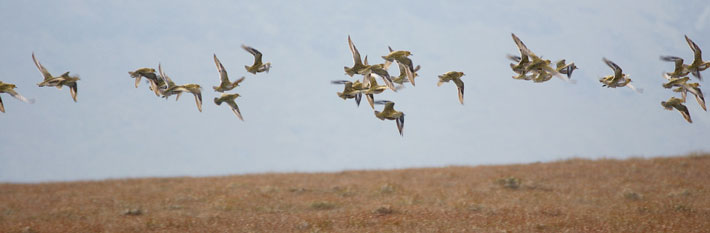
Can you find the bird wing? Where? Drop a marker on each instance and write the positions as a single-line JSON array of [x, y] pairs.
[[253, 51], [357, 60], [524, 51], [459, 85], [613, 66], [13, 93], [696, 49], [698, 96], [400, 125], [684, 111], [41, 68], [2, 107], [224, 79], [198, 99], [235, 109], [371, 100], [165, 78]]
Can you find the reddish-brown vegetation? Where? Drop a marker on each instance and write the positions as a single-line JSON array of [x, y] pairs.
[[636, 195]]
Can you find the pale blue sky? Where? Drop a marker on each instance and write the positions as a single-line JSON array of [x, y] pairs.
[[293, 119]]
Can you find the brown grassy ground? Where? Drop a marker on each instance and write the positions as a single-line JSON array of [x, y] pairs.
[[636, 195]]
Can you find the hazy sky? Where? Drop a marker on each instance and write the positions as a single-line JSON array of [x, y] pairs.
[[293, 119]]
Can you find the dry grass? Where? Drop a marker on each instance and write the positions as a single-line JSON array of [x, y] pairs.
[[636, 195]]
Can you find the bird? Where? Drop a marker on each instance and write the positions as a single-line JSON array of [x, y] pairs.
[[177, 90], [148, 73], [258, 66], [681, 85], [379, 70], [357, 61], [534, 63], [153, 79], [698, 64], [456, 77], [544, 76], [390, 114], [372, 88], [676, 103], [406, 67], [694, 89], [229, 99], [618, 79], [352, 90], [405, 74], [9, 89], [58, 82], [680, 69], [224, 84], [566, 69]]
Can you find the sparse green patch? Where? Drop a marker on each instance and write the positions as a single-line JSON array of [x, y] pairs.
[[631, 195], [509, 182], [133, 212], [322, 205], [387, 188], [384, 210]]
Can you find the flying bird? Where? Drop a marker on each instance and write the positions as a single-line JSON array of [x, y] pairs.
[[675, 103], [352, 90], [258, 66], [229, 99], [453, 76], [58, 82], [9, 89], [390, 114], [177, 90], [680, 69], [618, 79], [357, 61], [406, 67], [224, 84]]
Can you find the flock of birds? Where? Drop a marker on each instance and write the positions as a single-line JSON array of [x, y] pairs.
[[528, 66], [160, 84]]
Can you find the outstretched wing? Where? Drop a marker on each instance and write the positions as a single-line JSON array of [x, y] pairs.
[[253, 51], [73, 88], [356, 55], [524, 51], [41, 68], [13, 93], [459, 85], [235, 109], [696, 49], [198, 100], [165, 78], [613, 66], [224, 79]]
